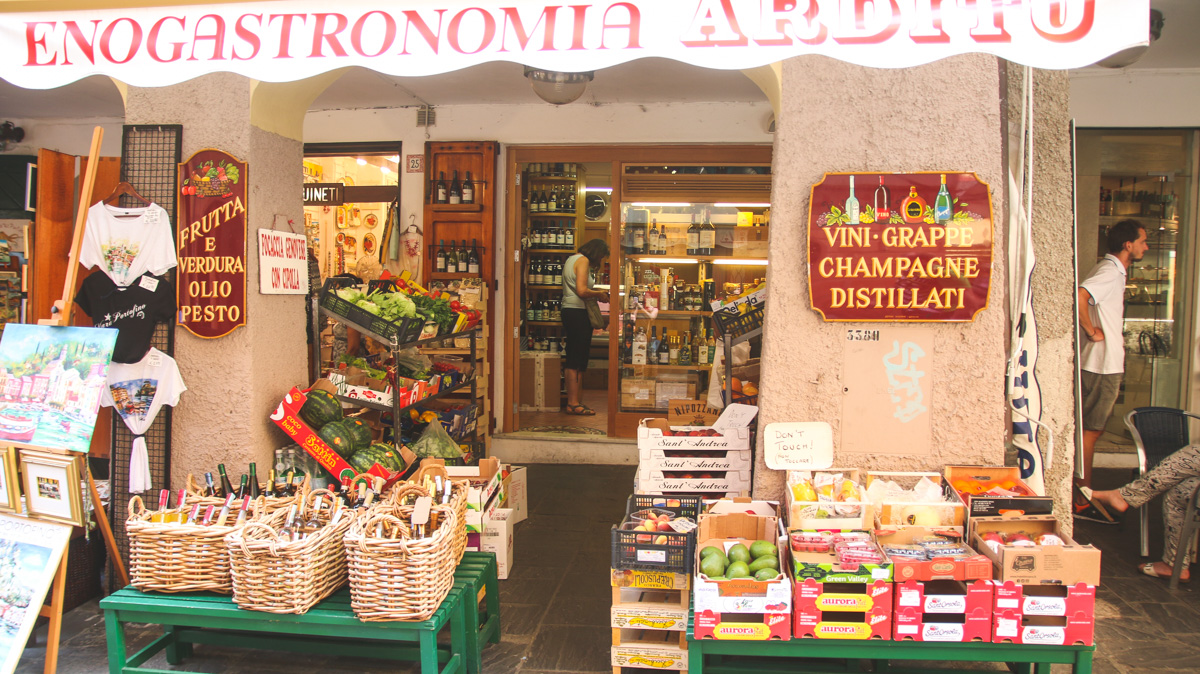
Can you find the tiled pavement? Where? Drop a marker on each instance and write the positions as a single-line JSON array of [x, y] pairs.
[[555, 605]]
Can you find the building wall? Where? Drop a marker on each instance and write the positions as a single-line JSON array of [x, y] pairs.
[[1136, 97], [69, 136]]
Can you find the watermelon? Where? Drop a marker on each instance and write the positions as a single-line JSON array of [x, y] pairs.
[[390, 458], [362, 461], [320, 409], [337, 437], [360, 433]]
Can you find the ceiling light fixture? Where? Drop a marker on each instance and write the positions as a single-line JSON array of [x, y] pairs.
[[362, 162], [1127, 57], [558, 88]]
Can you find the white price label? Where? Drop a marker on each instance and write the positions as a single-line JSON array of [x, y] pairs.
[[149, 283]]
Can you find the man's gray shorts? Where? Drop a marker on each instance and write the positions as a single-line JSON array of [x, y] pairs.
[[1099, 395]]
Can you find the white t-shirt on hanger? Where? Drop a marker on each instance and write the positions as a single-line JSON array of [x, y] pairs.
[[138, 391], [128, 242]]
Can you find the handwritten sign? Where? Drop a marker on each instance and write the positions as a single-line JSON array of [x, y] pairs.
[[282, 263], [736, 415], [798, 445]]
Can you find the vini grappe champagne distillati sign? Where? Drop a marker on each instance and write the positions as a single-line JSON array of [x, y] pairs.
[[900, 246], [211, 243]]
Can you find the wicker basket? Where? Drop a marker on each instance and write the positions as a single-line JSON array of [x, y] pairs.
[[195, 493], [288, 577], [173, 557], [404, 578], [458, 502]]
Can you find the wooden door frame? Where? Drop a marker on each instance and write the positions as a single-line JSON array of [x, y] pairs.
[[619, 155]]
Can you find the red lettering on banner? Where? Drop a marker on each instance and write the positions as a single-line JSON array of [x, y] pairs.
[[251, 38], [85, 45], [217, 37], [321, 34], [853, 26], [415, 21], [135, 40], [489, 30], [928, 28], [989, 20], [523, 38], [714, 24], [580, 12], [1063, 20], [285, 32], [152, 40], [389, 33], [634, 26], [32, 41]]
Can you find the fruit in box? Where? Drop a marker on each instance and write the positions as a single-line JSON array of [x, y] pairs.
[[320, 408], [698, 433], [740, 561], [359, 432], [970, 487], [337, 437]]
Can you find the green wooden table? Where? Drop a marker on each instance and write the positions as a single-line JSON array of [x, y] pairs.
[[478, 573], [329, 628], [843, 655]]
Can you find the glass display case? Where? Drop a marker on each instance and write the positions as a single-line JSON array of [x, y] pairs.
[[679, 260]]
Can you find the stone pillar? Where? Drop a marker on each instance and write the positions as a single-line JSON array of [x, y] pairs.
[[837, 116], [236, 381]]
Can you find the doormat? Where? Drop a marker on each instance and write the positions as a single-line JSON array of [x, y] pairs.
[[573, 430]]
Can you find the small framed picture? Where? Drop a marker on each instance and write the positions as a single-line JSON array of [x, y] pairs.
[[52, 487], [10, 481]]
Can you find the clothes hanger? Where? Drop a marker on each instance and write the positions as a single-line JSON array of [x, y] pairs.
[[124, 188], [412, 225]]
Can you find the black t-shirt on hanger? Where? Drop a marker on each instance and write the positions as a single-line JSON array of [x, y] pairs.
[[132, 310]]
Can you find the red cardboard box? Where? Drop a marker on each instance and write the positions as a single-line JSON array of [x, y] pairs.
[[741, 608], [944, 596], [843, 610], [1074, 630], [1044, 600], [910, 624], [978, 567]]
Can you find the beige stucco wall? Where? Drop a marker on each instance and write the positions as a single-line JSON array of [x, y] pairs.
[[236, 381], [840, 117]]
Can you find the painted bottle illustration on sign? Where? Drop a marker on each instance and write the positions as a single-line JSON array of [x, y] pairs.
[[913, 207], [883, 200], [852, 205], [942, 209]]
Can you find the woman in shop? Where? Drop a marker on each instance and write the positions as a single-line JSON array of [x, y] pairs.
[[576, 324]]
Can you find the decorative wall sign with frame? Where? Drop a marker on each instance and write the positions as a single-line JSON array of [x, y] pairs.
[[10, 485], [52, 487]]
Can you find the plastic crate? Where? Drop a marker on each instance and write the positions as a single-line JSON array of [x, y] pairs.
[[407, 330], [637, 550], [740, 324]]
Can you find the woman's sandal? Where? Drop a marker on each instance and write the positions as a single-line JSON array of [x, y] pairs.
[[1148, 569], [581, 411]]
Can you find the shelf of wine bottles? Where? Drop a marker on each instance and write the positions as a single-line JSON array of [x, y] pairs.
[[456, 262]]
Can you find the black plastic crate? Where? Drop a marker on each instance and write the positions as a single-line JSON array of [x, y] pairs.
[[739, 324], [668, 551], [407, 330]]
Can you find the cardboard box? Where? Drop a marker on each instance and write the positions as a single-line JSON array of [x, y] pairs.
[[988, 506], [824, 567], [539, 381], [978, 567], [483, 492], [909, 624], [948, 513], [802, 515], [749, 241], [694, 460], [688, 481], [651, 435], [650, 580], [742, 608], [648, 649], [843, 611], [515, 486], [666, 391], [1043, 600], [638, 394], [497, 537], [650, 609], [1076, 630], [1038, 564], [944, 596]]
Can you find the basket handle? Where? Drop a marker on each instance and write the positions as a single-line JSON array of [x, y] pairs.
[[141, 507], [193, 489], [243, 536], [404, 489], [380, 518]]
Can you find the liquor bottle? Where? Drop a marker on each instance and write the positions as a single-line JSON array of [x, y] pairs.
[[571, 202], [652, 238], [468, 190], [943, 209], [210, 489], [693, 237], [552, 205], [569, 238], [440, 259], [314, 521], [244, 490], [452, 259], [225, 510], [455, 189], [289, 488], [226, 485], [628, 343], [287, 533], [852, 205], [685, 349], [242, 513], [164, 498], [463, 262], [270, 489], [295, 485], [473, 259], [440, 196], [254, 489], [194, 516], [208, 515], [652, 346], [913, 207], [640, 342], [883, 209], [664, 349], [708, 235], [712, 347]]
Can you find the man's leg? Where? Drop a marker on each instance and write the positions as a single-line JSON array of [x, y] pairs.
[[1099, 394], [1089, 450]]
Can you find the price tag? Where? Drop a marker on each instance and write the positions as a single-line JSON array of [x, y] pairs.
[[683, 526], [736, 415], [148, 282], [154, 359], [151, 216], [799, 445], [421, 508]]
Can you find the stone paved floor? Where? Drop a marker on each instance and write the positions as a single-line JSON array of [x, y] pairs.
[[556, 602]]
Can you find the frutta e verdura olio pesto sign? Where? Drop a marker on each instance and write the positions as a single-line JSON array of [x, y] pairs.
[[211, 243], [900, 246]]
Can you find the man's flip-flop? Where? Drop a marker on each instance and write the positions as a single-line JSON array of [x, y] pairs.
[[1089, 509], [1148, 569]]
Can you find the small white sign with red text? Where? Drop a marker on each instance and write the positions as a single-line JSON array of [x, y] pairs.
[[282, 263]]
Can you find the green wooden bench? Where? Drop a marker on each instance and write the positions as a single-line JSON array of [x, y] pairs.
[[329, 628], [478, 572], [1020, 658]]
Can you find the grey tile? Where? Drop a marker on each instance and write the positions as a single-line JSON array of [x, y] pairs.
[[521, 619], [1162, 654], [506, 656], [571, 648], [1173, 618], [576, 608]]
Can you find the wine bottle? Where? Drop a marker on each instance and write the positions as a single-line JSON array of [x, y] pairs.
[[455, 189], [943, 209], [693, 237], [883, 210], [289, 488], [708, 235], [473, 260], [210, 489], [194, 516], [552, 205], [164, 498], [452, 259], [225, 509], [242, 513], [913, 207], [852, 213], [208, 515], [440, 189], [685, 349], [254, 489], [287, 533], [560, 237], [440, 259], [569, 238], [244, 489], [463, 262], [673, 350], [226, 485], [652, 348], [557, 280], [468, 190]]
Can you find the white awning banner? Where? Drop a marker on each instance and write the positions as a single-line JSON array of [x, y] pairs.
[[296, 39]]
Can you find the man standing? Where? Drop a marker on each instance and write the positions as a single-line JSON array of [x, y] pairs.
[[1102, 357]]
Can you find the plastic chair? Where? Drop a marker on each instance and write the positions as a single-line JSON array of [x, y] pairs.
[[1158, 432]]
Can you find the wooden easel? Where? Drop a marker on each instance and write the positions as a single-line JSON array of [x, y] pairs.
[[62, 312]]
